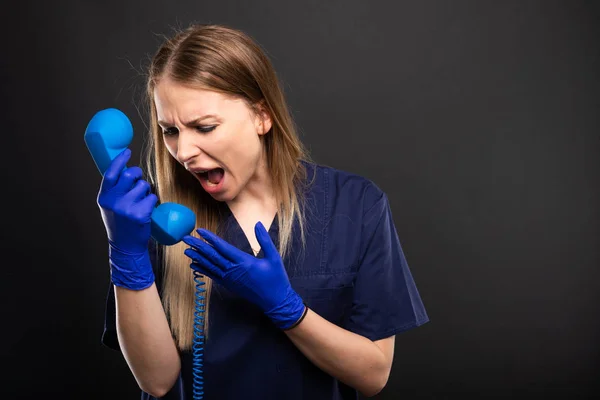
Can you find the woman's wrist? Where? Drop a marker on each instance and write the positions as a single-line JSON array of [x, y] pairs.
[[295, 324]]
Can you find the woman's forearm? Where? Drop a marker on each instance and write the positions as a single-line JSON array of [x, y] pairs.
[[351, 358], [145, 339]]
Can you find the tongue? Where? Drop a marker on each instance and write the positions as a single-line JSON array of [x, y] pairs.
[[215, 175]]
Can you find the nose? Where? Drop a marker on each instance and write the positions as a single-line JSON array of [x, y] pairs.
[[187, 146]]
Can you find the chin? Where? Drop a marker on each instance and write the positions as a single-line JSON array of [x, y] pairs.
[[221, 197], [224, 195]]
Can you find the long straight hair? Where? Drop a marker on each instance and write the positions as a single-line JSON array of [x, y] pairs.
[[228, 61]]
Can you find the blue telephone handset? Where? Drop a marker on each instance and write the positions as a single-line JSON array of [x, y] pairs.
[[108, 133]]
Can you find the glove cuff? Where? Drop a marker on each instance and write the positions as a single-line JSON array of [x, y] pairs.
[[130, 271], [295, 324], [289, 313]]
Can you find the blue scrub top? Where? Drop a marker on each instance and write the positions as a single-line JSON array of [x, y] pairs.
[[352, 272]]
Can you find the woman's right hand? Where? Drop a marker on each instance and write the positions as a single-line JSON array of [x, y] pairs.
[[126, 205]]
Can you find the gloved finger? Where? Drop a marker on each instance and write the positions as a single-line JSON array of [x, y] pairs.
[[140, 190], [207, 251], [265, 241], [230, 252], [128, 177], [113, 172], [208, 268], [146, 205]]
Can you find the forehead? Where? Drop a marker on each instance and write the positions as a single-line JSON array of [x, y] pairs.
[[172, 98]]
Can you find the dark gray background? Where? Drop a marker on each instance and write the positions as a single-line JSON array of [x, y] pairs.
[[478, 118]]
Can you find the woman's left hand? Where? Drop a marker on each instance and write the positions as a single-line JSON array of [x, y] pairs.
[[262, 281]]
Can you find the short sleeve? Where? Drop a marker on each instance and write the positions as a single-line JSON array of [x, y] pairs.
[[386, 300], [109, 335]]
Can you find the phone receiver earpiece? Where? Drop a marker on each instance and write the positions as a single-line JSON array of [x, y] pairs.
[[108, 133]]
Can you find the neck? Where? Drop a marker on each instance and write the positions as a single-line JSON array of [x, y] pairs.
[[258, 195]]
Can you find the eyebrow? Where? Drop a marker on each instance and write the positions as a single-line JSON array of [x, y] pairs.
[[192, 122]]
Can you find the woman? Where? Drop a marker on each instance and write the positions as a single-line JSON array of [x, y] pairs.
[[306, 281]]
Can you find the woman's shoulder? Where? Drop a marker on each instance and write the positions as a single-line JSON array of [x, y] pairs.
[[344, 185]]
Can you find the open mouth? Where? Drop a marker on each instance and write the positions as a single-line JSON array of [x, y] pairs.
[[213, 176], [212, 179]]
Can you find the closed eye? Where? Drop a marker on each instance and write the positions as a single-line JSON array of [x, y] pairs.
[[199, 128], [206, 128]]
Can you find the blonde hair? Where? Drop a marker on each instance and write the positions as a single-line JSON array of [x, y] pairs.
[[225, 60]]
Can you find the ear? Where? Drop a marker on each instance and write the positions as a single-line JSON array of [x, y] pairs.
[[263, 119]]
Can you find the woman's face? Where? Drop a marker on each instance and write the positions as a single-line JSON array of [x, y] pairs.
[[214, 136]]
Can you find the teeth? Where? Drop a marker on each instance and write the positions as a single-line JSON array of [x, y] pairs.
[[209, 183]]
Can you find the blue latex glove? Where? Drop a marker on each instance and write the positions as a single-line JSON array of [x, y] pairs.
[[262, 281], [126, 205]]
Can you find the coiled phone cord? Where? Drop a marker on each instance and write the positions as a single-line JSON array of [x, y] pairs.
[[198, 342]]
